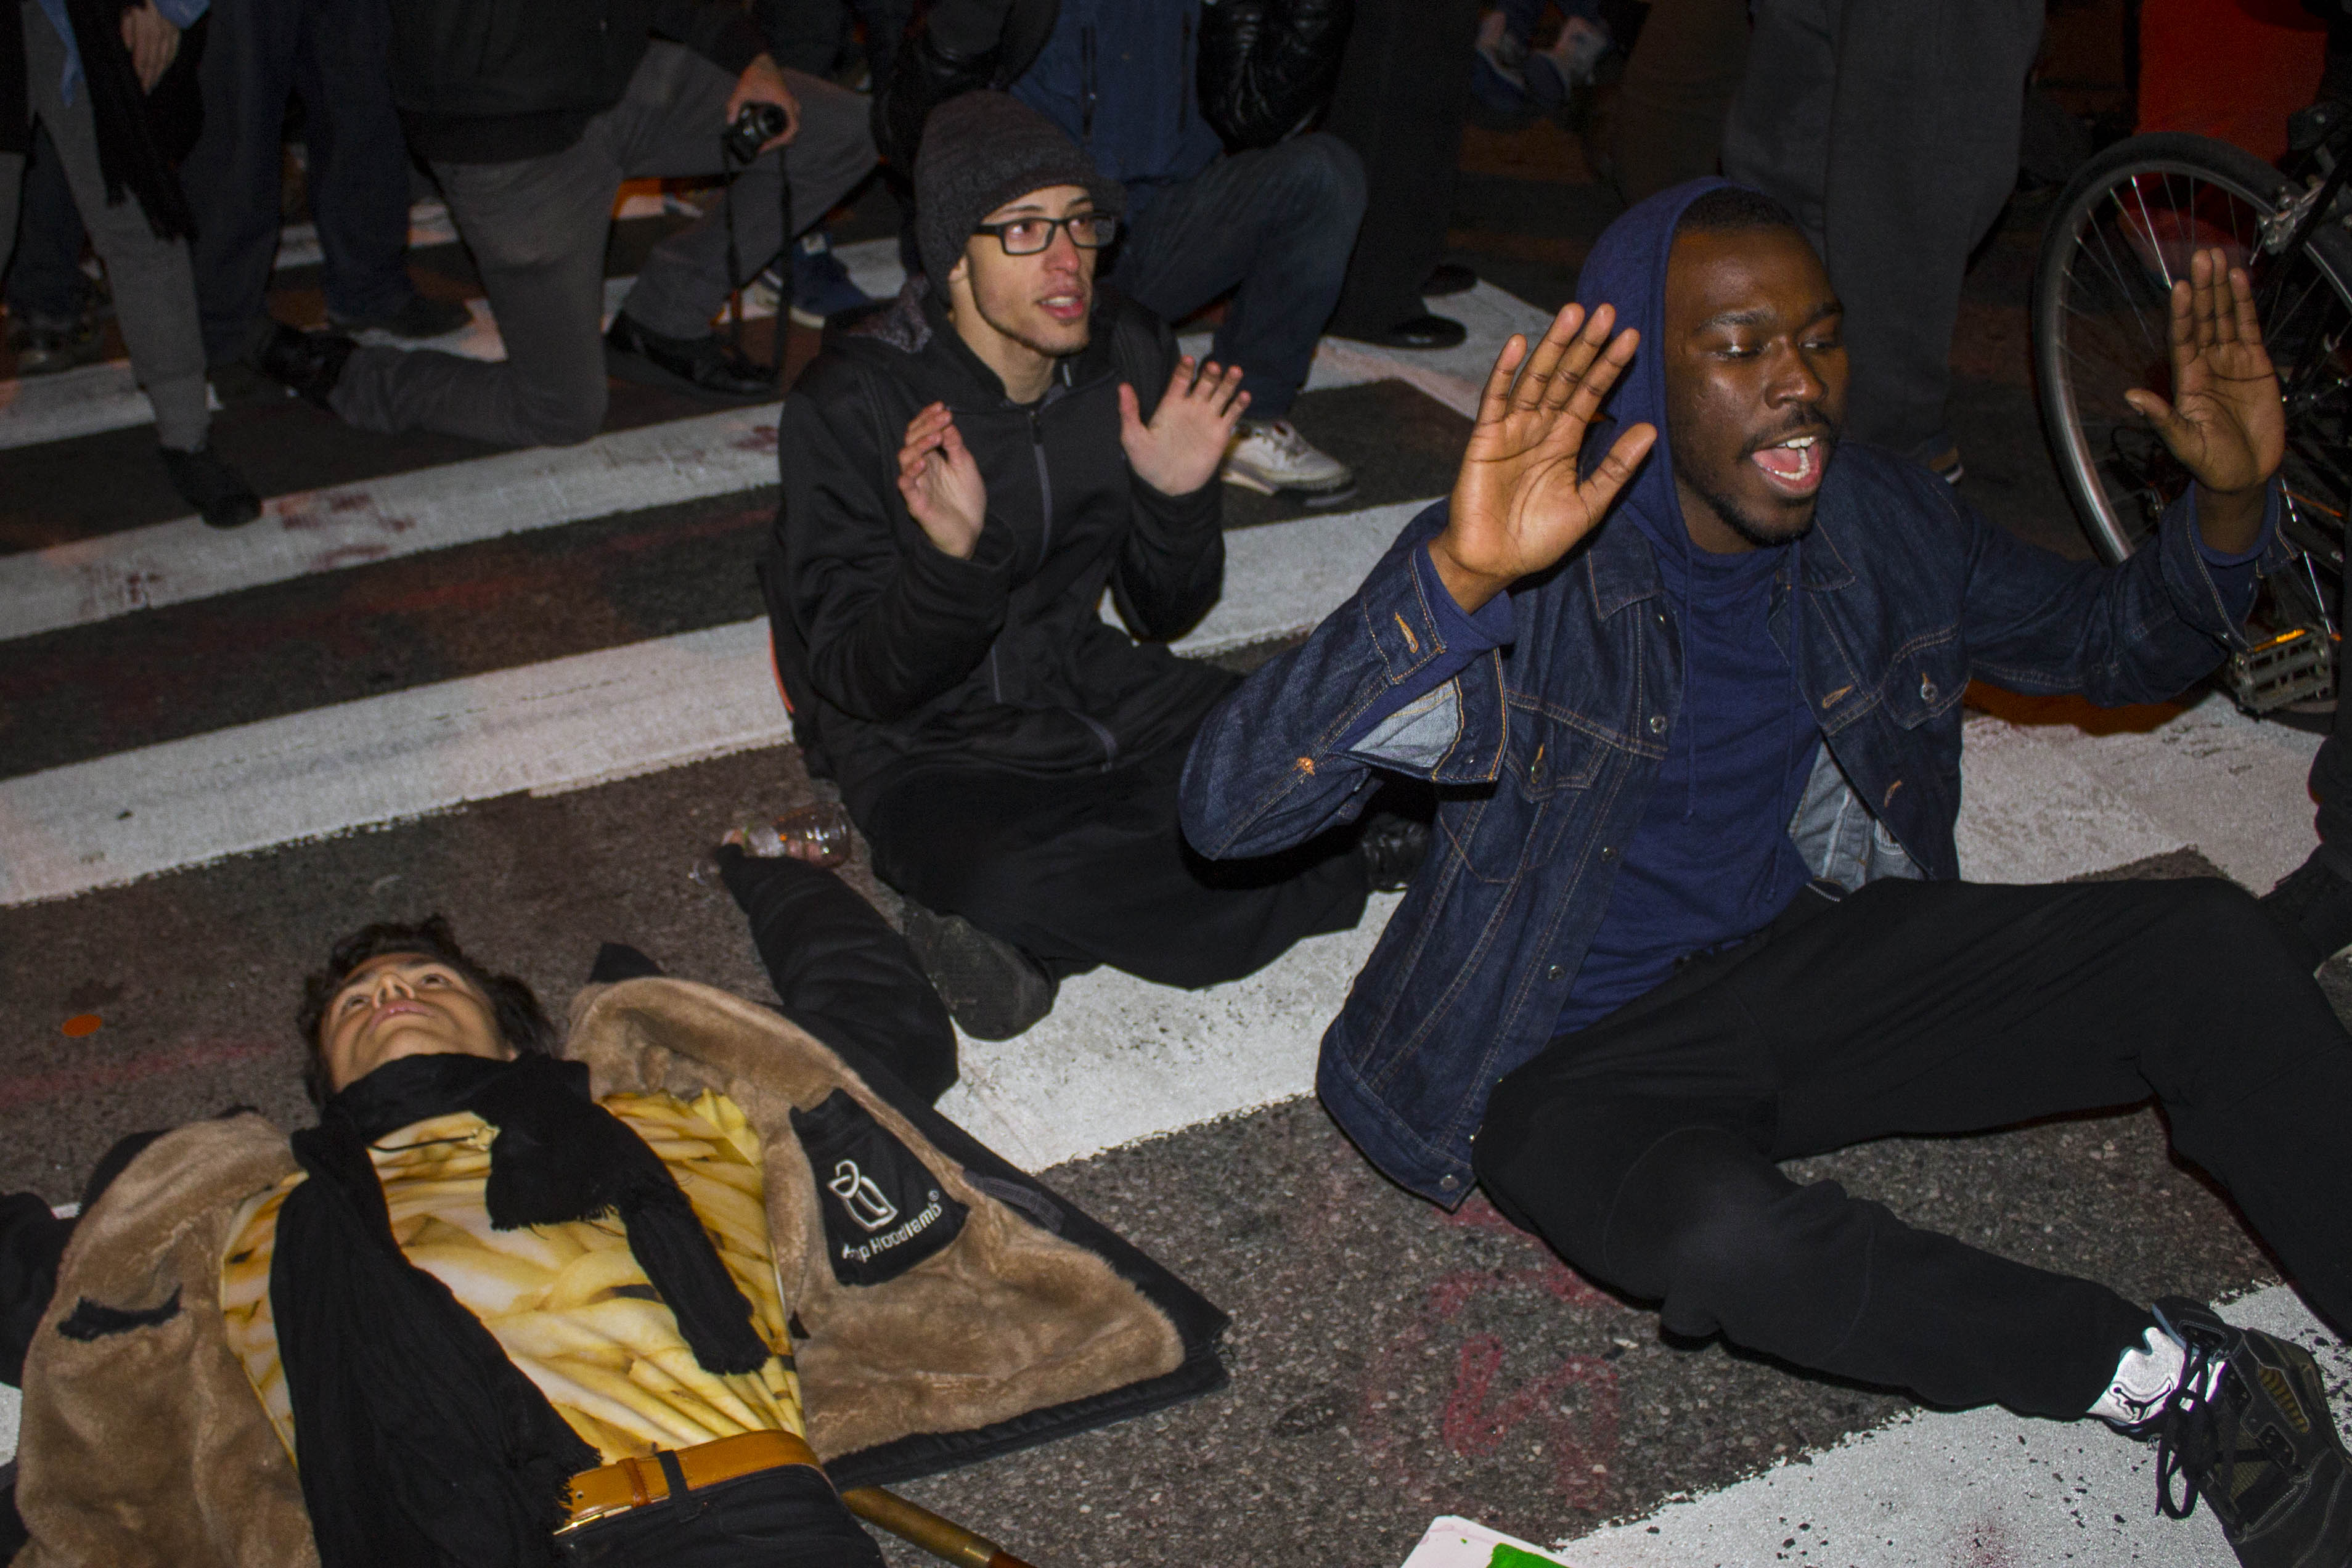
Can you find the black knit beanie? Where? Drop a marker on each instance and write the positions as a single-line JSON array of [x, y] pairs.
[[981, 150]]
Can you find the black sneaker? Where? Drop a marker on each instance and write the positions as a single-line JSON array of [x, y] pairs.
[[2313, 906], [991, 988], [1392, 848], [45, 348], [418, 318], [2248, 1430], [700, 366], [218, 491]]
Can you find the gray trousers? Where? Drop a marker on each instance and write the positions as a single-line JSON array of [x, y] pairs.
[[1890, 128], [537, 228], [154, 289]]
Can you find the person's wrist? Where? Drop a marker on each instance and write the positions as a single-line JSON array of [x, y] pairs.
[[2231, 522], [1471, 588]]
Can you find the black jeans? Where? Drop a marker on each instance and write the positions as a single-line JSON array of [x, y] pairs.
[[840, 972], [1093, 868], [1644, 1147], [786, 1517]]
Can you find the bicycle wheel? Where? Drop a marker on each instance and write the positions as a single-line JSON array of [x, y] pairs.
[[2121, 232]]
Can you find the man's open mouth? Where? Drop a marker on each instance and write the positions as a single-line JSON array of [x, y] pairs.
[[1793, 466], [1063, 307]]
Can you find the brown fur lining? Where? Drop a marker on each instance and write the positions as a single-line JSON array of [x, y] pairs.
[[146, 1448], [1005, 1321]]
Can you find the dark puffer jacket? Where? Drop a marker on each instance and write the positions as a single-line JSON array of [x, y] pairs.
[[489, 82], [1265, 66], [897, 656]]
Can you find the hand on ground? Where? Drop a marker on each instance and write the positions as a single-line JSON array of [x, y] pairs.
[[1518, 504], [2225, 422], [1178, 451], [941, 483], [152, 41], [763, 82]]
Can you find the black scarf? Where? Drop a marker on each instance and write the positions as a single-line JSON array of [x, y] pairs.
[[130, 154], [419, 1443]]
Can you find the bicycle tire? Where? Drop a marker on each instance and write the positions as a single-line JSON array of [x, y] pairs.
[[2103, 192]]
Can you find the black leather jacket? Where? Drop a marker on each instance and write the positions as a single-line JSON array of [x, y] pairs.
[[1266, 67]]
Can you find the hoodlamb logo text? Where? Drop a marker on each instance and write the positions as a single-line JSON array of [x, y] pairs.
[[877, 1246]]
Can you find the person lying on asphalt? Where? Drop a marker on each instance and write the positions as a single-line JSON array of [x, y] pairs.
[[963, 475], [477, 1317], [1694, 709]]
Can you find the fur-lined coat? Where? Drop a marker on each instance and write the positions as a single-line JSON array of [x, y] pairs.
[[142, 1442]]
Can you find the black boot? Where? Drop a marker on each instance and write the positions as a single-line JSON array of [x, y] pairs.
[[218, 491]]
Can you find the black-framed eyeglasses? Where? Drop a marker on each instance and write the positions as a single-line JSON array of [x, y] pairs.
[[1028, 236]]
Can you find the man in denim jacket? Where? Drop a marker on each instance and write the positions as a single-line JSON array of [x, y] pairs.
[[1692, 908]]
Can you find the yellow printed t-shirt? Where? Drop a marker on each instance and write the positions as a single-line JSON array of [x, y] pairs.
[[568, 1303]]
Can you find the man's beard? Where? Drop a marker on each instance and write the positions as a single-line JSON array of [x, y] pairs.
[[1766, 530], [1051, 350]]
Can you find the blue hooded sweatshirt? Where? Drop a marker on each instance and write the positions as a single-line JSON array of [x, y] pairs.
[[1712, 860]]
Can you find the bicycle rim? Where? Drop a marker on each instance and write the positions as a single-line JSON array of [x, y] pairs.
[[2122, 233]]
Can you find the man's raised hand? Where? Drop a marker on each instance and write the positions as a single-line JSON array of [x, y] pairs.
[[1518, 504], [1178, 451], [2225, 422], [941, 483]]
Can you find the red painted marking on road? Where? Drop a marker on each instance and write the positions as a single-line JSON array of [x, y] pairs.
[[79, 1025], [42, 1087], [1474, 1423]]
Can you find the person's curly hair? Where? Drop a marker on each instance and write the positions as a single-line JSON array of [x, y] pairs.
[[514, 1006]]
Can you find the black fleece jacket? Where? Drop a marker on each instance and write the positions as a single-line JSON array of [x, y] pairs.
[[490, 81], [896, 655]]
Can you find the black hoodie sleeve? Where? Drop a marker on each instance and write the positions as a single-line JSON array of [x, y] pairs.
[[1173, 565], [890, 620]]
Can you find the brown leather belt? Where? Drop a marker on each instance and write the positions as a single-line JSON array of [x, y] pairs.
[[633, 1483]]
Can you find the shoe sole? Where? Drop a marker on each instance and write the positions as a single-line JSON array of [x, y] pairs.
[[988, 990], [1329, 495]]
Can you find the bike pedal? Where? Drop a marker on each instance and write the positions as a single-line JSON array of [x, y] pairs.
[[2295, 665]]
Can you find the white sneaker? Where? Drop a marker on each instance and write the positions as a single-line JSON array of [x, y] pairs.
[[1271, 456]]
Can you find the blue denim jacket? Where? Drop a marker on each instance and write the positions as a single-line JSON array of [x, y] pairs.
[[1543, 753]]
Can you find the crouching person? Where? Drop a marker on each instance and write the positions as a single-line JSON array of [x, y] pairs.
[[502, 1308]]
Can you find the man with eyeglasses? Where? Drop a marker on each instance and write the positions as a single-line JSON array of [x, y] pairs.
[[964, 474]]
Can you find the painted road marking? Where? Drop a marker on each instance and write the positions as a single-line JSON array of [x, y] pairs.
[[563, 724], [402, 514], [1933, 1488]]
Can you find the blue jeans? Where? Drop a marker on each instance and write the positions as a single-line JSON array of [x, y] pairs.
[[1278, 223], [46, 286], [335, 55]]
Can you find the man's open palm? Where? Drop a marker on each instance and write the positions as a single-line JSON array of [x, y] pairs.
[[1179, 450], [2225, 422], [941, 483], [1519, 502]]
